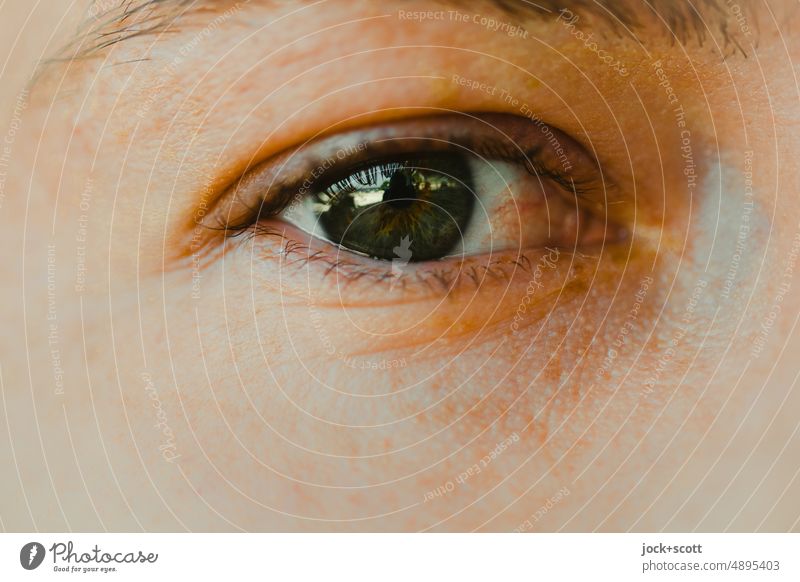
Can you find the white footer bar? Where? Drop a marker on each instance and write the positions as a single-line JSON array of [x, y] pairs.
[[400, 557]]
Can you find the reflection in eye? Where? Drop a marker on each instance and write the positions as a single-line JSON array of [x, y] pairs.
[[425, 191], [426, 202]]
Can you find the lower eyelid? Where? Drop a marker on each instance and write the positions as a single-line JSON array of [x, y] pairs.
[[360, 282], [522, 293]]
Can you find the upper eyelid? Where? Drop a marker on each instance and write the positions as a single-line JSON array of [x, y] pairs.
[[283, 173]]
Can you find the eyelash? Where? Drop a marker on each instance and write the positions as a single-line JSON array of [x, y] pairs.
[[438, 279], [286, 193], [434, 274]]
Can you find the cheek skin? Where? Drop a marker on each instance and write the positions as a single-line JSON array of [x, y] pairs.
[[518, 387], [512, 295], [265, 447], [543, 384]]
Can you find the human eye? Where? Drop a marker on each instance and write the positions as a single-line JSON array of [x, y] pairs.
[[450, 197]]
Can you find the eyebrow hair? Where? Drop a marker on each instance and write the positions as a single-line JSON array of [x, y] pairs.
[[685, 20]]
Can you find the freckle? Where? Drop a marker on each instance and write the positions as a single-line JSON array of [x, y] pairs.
[[533, 83], [570, 227], [620, 256], [468, 324], [458, 323], [576, 287], [443, 90]]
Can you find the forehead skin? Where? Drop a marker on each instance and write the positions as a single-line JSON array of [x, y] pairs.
[[114, 22]]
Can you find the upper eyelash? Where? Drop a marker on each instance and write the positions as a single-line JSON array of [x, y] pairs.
[[534, 167], [363, 176], [438, 277], [282, 195]]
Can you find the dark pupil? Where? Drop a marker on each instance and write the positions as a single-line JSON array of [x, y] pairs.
[[410, 209]]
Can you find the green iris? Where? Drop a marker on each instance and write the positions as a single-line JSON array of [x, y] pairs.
[[409, 209]]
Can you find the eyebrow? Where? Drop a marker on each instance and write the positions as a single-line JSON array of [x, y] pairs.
[[685, 20]]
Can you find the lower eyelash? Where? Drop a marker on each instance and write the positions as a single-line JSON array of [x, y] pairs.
[[438, 279], [290, 247]]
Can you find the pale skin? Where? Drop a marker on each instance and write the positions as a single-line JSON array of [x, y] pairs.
[[156, 376]]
